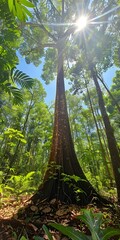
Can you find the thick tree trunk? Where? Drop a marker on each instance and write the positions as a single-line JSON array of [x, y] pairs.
[[63, 159], [112, 144]]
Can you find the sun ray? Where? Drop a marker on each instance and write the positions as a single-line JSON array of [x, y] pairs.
[[104, 14]]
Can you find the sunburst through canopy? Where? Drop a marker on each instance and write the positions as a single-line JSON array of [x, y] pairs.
[[81, 23]]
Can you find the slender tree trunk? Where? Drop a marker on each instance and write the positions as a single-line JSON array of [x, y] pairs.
[[112, 97], [112, 144], [63, 159], [103, 135], [99, 137]]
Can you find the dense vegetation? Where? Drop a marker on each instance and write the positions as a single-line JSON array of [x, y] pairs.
[[71, 154]]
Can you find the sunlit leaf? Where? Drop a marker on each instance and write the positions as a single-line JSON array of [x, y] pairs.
[[70, 232], [10, 4], [26, 11], [27, 3]]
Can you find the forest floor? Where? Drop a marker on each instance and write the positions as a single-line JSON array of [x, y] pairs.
[[20, 218]]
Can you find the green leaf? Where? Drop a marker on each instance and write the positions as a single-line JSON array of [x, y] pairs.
[[38, 238], [20, 14], [23, 238], [30, 174], [18, 98], [92, 220], [26, 11], [10, 4], [47, 232], [110, 232], [22, 79], [27, 3], [70, 232]]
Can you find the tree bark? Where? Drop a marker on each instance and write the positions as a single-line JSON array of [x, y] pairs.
[[112, 144], [103, 153], [63, 159], [112, 97]]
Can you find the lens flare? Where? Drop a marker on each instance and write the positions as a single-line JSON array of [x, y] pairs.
[[81, 23]]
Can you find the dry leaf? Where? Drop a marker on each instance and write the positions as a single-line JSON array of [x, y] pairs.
[[34, 208], [33, 226], [46, 210], [61, 212], [53, 201]]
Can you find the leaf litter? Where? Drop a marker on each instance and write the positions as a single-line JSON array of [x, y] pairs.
[[23, 218]]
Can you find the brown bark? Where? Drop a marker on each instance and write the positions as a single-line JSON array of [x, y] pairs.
[[62, 157], [112, 97], [112, 144], [99, 137]]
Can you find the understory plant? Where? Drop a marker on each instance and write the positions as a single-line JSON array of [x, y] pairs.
[[18, 185], [94, 223], [92, 220]]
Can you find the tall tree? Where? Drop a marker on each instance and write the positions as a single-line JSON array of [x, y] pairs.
[[63, 160]]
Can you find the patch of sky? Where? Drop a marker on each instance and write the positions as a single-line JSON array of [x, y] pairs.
[[35, 72]]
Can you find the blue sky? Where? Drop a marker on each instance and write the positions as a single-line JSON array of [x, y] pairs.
[[35, 72]]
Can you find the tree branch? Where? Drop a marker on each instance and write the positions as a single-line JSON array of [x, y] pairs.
[[47, 45], [55, 8], [43, 27]]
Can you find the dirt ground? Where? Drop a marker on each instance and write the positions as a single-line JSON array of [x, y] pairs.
[[22, 218]]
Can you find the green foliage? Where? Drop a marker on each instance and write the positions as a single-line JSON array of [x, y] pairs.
[[117, 55], [47, 232], [70, 232], [72, 181], [38, 238], [14, 79], [93, 222], [22, 79], [10, 39], [112, 107], [20, 9], [25, 136], [13, 135], [23, 238], [18, 184], [49, 66], [70, 178]]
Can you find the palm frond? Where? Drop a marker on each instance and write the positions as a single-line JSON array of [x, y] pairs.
[[15, 92], [22, 79]]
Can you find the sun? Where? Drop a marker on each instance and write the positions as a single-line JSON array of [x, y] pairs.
[[81, 23]]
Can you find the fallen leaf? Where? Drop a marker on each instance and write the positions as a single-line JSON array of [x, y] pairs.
[[53, 201], [33, 226], [47, 210], [61, 212], [34, 208]]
